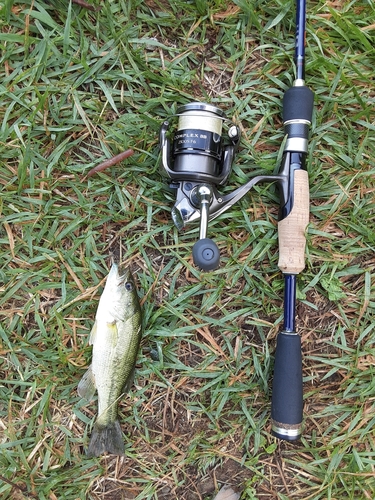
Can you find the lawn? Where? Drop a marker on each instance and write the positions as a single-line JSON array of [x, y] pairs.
[[79, 86]]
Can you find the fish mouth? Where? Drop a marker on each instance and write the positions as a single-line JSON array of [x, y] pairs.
[[121, 276], [124, 276]]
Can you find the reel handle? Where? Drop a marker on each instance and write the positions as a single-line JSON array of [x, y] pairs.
[[206, 254]]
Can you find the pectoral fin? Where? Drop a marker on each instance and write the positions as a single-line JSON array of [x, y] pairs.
[[93, 334], [112, 328], [86, 387]]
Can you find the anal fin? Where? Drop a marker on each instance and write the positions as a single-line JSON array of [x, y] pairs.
[[86, 387]]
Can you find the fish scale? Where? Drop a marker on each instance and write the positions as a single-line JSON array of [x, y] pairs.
[[109, 356]]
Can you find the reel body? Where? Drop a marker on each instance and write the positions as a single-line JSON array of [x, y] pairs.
[[197, 161]]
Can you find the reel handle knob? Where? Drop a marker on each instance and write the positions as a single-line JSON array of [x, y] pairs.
[[206, 254]]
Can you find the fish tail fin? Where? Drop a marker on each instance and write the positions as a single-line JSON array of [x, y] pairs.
[[106, 439]]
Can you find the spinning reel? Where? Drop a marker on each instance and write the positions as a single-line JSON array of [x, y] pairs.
[[197, 162]]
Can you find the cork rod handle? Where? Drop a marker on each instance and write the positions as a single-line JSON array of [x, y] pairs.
[[291, 229]]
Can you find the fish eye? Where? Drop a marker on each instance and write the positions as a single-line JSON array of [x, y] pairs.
[[129, 286]]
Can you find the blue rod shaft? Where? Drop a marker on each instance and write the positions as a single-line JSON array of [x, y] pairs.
[[290, 287], [300, 39]]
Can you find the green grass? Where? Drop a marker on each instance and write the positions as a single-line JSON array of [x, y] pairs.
[[78, 87]]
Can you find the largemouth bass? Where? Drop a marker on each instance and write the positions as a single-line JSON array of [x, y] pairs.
[[115, 338]]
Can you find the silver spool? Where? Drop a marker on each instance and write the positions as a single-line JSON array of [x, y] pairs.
[[201, 116]]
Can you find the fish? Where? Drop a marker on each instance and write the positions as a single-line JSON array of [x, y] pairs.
[[115, 339]]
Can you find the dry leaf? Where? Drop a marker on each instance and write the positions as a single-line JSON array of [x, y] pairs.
[[226, 493]]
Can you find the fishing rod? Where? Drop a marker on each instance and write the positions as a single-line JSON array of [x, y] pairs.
[[287, 391], [198, 161]]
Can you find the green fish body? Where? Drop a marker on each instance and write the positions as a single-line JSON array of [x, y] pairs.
[[115, 338]]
